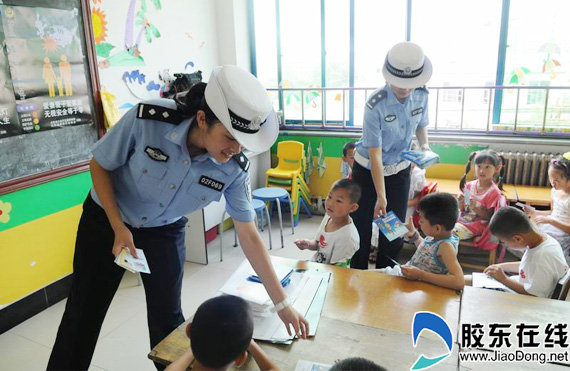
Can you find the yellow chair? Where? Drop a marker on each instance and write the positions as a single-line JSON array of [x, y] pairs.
[[291, 169]]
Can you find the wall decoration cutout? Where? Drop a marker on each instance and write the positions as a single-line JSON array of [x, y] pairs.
[[5, 208], [131, 53]]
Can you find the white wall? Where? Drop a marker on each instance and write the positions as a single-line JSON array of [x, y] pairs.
[[206, 32]]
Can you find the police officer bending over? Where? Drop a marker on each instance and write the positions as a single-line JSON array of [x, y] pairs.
[[163, 160]]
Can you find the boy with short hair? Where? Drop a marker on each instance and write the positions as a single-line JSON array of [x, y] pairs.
[[348, 156], [542, 264], [435, 259], [337, 237], [221, 335], [356, 364]]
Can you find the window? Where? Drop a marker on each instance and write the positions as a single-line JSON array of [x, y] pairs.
[[342, 44]]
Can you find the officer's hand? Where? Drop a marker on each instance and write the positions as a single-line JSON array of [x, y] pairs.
[[425, 147], [291, 317], [124, 239], [380, 208]]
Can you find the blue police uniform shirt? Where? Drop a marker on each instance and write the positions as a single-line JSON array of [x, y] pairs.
[[155, 180], [391, 125]]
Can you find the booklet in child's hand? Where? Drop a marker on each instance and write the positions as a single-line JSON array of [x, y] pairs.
[[391, 226], [132, 264], [422, 159]]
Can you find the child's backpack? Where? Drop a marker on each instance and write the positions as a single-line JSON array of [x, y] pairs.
[[431, 187]]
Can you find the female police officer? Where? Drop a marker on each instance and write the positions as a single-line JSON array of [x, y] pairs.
[[161, 161], [392, 115]]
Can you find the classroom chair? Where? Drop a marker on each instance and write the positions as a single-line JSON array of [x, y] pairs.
[[290, 173], [490, 254], [561, 290], [259, 207]]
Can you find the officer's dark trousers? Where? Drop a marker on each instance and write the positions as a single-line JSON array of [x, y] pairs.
[[96, 278], [397, 188]]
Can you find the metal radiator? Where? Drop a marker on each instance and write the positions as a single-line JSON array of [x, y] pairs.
[[527, 168]]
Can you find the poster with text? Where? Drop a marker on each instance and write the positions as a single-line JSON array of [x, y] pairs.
[[47, 67], [9, 125]]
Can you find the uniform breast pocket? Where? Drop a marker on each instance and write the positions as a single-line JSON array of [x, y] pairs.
[[148, 174], [204, 194], [387, 136]]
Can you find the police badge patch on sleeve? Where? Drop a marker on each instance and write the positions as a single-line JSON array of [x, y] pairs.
[[156, 154], [390, 118]]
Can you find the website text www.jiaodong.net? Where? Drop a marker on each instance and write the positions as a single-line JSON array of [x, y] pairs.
[[515, 356]]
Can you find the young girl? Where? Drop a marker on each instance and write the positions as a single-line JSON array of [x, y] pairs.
[[556, 222], [480, 198]]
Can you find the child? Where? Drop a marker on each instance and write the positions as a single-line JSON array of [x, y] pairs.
[[480, 198], [348, 156], [356, 364], [542, 264], [435, 260], [221, 335], [337, 237], [556, 222]]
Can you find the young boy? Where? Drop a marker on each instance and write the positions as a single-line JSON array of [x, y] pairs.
[[435, 259], [337, 237], [221, 335], [348, 156], [542, 264]]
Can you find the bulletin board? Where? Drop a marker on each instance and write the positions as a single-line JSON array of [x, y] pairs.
[[49, 95]]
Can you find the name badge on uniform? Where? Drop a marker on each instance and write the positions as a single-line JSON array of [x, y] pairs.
[[156, 154], [390, 118], [417, 111], [211, 183]]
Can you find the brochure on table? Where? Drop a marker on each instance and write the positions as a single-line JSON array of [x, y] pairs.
[[306, 293]]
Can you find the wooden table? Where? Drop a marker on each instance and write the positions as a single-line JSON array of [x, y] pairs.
[[489, 306], [363, 303], [535, 196]]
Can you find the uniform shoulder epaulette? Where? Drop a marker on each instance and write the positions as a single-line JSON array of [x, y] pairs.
[[153, 112], [424, 89], [374, 99], [242, 161]]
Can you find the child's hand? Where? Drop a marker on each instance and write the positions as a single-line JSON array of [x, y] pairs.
[[529, 210], [543, 219], [410, 225], [461, 201], [496, 272], [411, 272], [302, 243]]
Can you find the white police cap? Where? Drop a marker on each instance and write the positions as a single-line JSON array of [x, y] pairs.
[[242, 105], [406, 66]]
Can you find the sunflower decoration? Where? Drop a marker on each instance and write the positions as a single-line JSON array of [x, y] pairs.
[[49, 44], [98, 18], [5, 208]]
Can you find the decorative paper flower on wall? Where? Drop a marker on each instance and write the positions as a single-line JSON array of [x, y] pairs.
[[98, 18], [5, 208]]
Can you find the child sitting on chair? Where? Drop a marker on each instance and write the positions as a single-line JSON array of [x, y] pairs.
[[542, 264], [480, 197], [220, 336], [435, 259], [556, 222], [337, 237]]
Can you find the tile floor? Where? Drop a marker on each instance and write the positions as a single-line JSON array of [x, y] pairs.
[[123, 343]]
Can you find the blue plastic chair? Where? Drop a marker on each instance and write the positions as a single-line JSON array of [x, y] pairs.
[[276, 194], [258, 206]]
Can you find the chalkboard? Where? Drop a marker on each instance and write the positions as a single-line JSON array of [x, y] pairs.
[[49, 101]]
